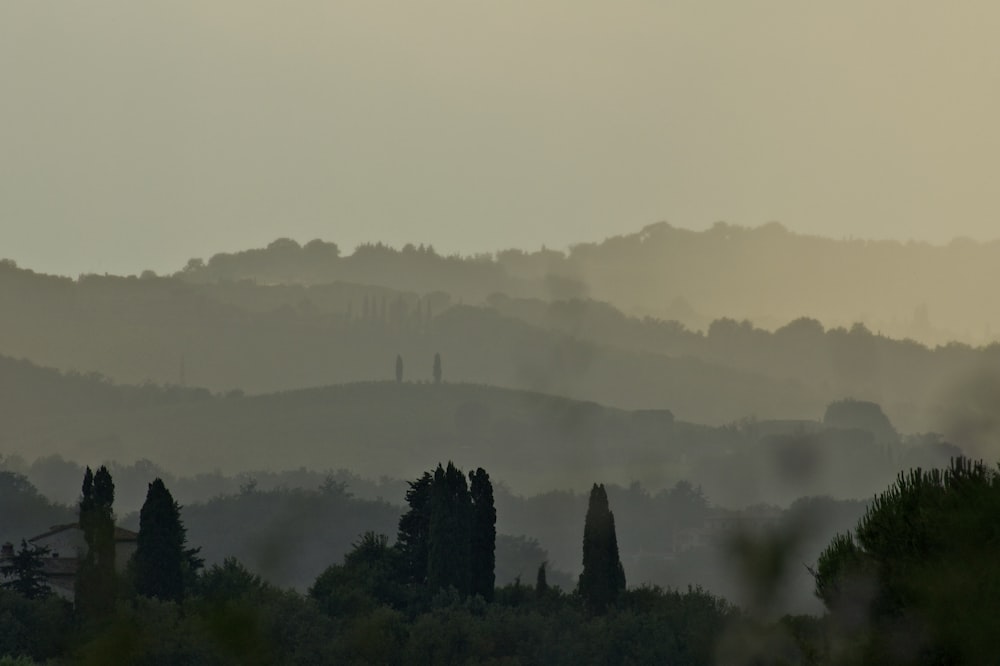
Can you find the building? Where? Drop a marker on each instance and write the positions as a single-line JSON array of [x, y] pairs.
[[67, 547]]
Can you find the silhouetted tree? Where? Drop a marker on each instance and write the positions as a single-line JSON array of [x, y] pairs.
[[603, 577], [924, 548], [483, 535], [437, 368], [399, 368], [95, 581], [541, 580], [27, 569], [449, 531], [158, 562], [414, 526]]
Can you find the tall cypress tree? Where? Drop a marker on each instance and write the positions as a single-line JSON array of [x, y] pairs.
[[483, 536], [449, 531], [104, 538], [603, 577], [541, 580], [95, 581], [399, 368], [437, 368], [413, 529], [85, 582], [158, 563]]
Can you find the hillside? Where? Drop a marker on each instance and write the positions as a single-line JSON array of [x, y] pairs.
[[532, 441], [164, 331], [930, 293], [265, 338]]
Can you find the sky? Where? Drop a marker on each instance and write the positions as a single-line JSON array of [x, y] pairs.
[[137, 135]]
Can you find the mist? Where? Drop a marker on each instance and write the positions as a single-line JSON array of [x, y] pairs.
[[130, 131], [529, 333]]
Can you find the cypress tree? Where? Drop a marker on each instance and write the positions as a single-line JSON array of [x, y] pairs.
[[603, 577], [483, 537], [447, 538], [448, 551], [437, 368], [158, 562], [85, 583], [414, 526], [541, 580], [399, 368], [95, 581], [104, 538]]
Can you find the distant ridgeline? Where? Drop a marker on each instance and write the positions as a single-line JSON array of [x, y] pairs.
[[771, 275], [532, 441], [257, 338]]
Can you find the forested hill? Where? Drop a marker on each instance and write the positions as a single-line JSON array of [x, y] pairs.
[[260, 338], [771, 276], [535, 441]]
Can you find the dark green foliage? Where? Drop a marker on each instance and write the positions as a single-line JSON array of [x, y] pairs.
[[369, 577], [38, 628], [96, 579], [541, 580], [483, 535], [447, 538], [228, 581], [159, 561], [919, 580], [603, 577], [414, 525], [27, 571], [449, 532], [437, 368]]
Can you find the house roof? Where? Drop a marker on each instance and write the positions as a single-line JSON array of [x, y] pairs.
[[121, 534]]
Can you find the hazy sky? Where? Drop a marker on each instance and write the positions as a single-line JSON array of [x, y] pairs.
[[139, 134]]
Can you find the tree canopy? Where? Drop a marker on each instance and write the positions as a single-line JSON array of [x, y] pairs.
[[603, 577], [919, 580]]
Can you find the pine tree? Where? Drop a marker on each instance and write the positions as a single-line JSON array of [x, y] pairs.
[[27, 569], [399, 368], [437, 368], [603, 577], [483, 535], [449, 531], [159, 560]]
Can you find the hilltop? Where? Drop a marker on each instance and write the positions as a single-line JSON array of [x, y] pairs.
[[768, 274], [535, 441]]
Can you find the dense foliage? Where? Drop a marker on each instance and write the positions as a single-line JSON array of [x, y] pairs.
[[918, 581], [95, 580], [160, 559], [603, 577]]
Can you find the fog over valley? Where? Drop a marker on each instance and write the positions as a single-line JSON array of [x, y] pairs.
[[457, 333]]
